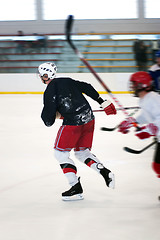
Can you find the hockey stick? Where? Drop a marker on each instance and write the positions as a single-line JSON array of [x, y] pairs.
[[112, 129], [68, 28], [130, 150], [128, 108], [109, 129]]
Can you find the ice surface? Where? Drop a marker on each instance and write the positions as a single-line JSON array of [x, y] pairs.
[[31, 180]]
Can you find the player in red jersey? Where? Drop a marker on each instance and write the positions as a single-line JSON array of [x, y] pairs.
[[141, 85]]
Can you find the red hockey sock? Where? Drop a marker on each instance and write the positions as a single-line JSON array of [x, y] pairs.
[[156, 168]]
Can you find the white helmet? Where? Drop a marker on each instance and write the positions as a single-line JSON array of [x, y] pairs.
[[47, 68]]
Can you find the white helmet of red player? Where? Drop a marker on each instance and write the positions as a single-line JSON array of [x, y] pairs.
[[140, 81], [47, 68]]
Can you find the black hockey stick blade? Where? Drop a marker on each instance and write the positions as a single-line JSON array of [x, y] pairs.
[[68, 28], [69, 24], [130, 150], [108, 129]]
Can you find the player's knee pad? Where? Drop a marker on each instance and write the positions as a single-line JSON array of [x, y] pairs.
[[62, 157], [85, 154], [156, 168], [82, 155]]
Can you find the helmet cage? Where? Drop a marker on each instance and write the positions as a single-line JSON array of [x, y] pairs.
[[47, 68], [140, 81], [135, 88]]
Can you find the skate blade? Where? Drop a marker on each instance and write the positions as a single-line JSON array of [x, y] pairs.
[[112, 183], [73, 198]]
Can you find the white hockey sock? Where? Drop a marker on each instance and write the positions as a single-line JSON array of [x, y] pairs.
[[72, 178], [68, 166]]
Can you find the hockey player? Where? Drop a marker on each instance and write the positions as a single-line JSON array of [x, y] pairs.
[[154, 71], [63, 98], [141, 85]]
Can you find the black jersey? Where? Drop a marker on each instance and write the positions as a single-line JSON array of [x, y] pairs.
[[65, 95]]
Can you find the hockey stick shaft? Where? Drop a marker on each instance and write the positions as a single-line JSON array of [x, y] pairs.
[[130, 150], [127, 108], [68, 32]]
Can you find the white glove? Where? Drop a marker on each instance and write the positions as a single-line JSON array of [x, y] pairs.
[[147, 131]]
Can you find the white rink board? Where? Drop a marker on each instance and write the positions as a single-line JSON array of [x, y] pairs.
[[31, 82]]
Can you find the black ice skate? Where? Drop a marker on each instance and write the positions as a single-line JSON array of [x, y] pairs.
[[108, 177], [74, 193]]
